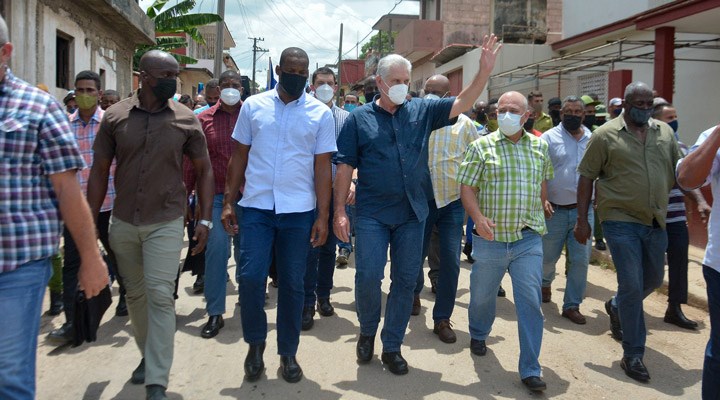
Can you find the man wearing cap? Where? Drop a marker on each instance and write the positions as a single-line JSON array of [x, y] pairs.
[[554, 106], [69, 101], [614, 107], [590, 103]]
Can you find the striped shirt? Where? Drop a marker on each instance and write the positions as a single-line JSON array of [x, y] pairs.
[[446, 148], [339, 115], [35, 142], [85, 136], [509, 176], [676, 199]]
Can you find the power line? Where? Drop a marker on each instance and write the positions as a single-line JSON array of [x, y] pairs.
[[371, 31], [246, 20], [305, 22]]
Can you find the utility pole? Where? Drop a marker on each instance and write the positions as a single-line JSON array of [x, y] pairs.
[[219, 40], [339, 75], [255, 50]]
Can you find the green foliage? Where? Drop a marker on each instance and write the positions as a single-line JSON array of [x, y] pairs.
[[174, 20], [385, 46]]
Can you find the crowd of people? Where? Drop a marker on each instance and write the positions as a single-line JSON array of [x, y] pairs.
[[284, 178]]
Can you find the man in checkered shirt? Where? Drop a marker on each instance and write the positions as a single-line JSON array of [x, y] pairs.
[[39, 160], [503, 190]]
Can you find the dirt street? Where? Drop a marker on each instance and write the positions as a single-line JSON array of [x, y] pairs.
[[579, 362]]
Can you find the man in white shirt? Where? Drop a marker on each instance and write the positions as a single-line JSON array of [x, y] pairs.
[[282, 167]]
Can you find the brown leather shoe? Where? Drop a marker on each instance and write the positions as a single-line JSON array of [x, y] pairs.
[[444, 331], [546, 294], [416, 306], [574, 315]]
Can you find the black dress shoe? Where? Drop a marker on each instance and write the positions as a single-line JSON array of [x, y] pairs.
[[291, 370], [213, 326], [600, 245], [675, 316], [254, 364], [121, 310], [501, 292], [62, 335], [307, 317], [635, 368], [365, 348], [199, 285], [138, 375], [534, 383], [395, 362], [478, 347], [615, 327], [324, 307]]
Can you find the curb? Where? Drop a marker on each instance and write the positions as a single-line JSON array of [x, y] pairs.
[[695, 299]]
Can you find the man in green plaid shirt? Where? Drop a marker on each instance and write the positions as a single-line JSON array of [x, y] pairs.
[[503, 181]]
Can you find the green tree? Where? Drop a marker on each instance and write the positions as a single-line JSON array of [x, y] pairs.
[[174, 20], [386, 47]]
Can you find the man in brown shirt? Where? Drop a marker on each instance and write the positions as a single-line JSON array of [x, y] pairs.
[[148, 136]]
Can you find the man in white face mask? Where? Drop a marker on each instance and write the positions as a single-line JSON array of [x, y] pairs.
[[217, 123], [387, 141], [321, 260], [503, 190]]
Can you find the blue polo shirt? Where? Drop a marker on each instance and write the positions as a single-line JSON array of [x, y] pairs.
[[390, 152]]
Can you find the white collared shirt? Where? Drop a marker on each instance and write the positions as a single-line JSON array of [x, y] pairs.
[[283, 140], [566, 152]]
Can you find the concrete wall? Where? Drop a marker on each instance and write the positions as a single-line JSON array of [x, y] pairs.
[[584, 15], [96, 43]]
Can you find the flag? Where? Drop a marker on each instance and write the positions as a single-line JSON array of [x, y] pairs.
[[271, 82]]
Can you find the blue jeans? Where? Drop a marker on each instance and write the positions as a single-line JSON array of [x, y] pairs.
[[372, 239], [638, 252], [217, 253], [320, 267], [262, 229], [559, 234], [21, 296], [711, 367], [449, 222], [523, 260]]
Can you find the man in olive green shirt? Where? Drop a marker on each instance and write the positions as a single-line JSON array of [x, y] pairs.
[[633, 158], [541, 121]]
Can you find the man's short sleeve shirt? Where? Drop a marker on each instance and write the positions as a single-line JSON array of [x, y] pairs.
[[284, 140], [509, 177], [35, 142]]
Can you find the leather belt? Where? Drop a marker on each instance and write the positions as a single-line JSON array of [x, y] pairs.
[[565, 207]]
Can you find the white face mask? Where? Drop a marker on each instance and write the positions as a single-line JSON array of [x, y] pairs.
[[230, 96], [397, 93], [324, 93], [509, 123], [431, 96]]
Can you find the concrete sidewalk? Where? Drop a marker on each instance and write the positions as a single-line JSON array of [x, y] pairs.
[[697, 290]]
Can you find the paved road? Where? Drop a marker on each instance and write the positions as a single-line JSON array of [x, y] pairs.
[[578, 361]]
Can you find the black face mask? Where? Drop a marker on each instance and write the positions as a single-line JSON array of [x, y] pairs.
[[640, 116], [529, 124], [369, 96], [481, 117], [589, 121], [293, 84], [211, 103], [571, 122], [165, 88]]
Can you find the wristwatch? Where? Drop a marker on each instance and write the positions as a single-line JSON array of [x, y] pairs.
[[207, 223]]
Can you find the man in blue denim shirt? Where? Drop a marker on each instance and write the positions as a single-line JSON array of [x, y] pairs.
[[386, 140]]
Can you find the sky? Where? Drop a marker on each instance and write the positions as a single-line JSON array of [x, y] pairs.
[[313, 25]]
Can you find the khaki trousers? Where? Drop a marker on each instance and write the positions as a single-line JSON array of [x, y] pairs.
[[148, 259]]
